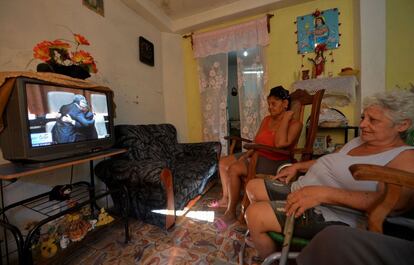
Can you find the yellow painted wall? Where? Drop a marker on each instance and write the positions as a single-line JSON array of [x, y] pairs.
[[400, 43], [282, 58]]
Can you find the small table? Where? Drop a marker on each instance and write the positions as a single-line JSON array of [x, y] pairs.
[[345, 130]]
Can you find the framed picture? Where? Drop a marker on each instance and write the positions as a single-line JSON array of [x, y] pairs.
[[146, 51], [95, 5], [320, 27], [320, 145]]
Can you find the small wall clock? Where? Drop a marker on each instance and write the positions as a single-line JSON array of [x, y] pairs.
[[146, 51]]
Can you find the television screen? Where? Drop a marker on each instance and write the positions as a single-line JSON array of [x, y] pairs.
[[59, 115], [48, 121]]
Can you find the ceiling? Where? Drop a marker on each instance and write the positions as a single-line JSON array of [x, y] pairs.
[[177, 9], [184, 16]]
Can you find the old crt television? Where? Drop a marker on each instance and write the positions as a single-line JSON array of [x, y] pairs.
[[47, 121]]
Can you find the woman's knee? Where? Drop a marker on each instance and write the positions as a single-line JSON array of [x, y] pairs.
[[260, 217], [252, 214], [253, 188], [237, 169]]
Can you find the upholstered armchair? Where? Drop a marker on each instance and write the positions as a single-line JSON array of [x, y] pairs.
[[161, 174]]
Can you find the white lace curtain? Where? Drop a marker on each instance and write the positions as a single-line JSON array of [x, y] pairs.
[[213, 93], [211, 48], [252, 80]]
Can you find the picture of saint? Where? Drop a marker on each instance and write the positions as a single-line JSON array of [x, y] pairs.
[[318, 28], [321, 31]]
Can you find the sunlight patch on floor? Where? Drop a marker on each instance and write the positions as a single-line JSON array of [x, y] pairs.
[[199, 215]]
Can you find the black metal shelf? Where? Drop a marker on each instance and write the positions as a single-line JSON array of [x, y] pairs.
[[83, 194]]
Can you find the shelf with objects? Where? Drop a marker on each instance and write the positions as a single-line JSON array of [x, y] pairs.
[[69, 212], [331, 120], [340, 91]]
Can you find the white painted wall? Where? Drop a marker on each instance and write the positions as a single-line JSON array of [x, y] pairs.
[[373, 46], [114, 45], [138, 88], [173, 83]]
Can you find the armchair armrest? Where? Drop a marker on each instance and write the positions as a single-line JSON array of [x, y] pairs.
[[200, 149], [233, 140], [393, 179], [236, 138], [382, 174], [251, 146]]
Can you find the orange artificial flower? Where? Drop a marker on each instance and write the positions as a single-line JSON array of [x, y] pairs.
[[82, 57], [57, 52], [41, 51], [80, 40], [58, 44], [92, 68]]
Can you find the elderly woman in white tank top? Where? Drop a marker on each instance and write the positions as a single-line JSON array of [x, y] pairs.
[[384, 123]]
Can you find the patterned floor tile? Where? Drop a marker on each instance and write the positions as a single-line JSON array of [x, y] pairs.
[[193, 240]]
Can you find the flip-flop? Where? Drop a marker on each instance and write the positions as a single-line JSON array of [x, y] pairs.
[[249, 241], [220, 224], [214, 204], [241, 229]]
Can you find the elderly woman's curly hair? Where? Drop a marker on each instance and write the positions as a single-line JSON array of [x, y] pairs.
[[398, 105]]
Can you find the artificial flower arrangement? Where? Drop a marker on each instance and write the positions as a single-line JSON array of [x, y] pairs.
[[58, 58]]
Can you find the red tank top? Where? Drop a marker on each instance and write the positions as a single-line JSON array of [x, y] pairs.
[[267, 137]]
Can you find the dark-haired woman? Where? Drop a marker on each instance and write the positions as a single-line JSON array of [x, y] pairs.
[[279, 130]]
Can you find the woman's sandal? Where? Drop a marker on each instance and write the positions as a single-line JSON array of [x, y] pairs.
[[214, 204], [220, 225]]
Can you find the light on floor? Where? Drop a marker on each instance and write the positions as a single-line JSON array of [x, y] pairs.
[[199, 215]]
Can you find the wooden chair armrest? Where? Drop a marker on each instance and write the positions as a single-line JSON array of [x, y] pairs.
[[236, 138], [252, 146], [393, 179], [383, 174]]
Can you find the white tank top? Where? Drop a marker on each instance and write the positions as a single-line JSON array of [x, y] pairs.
[[333, 170]]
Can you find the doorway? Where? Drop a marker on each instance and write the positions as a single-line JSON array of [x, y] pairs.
[[233, 109]]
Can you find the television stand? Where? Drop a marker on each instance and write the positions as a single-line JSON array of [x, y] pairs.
[[51, 210]]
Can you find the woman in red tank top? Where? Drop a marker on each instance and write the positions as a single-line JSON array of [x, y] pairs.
[[279, 130]]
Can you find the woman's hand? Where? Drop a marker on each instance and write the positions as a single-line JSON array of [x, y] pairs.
[[288, 115], [286, 174], [299, 201]]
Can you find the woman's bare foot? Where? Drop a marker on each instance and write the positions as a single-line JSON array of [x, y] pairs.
[[228, 217], [223, 222]]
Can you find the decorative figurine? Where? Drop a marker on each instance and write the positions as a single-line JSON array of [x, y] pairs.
[[64, 242], [319, 61], [78, 227], [104, 218], [93, 223], [305, 74], [48, 248]]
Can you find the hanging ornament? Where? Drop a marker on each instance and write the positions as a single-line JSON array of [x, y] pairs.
[[302, 65], [234, 91], [332, 57]]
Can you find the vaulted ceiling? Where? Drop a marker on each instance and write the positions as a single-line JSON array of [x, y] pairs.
[[183, 16]]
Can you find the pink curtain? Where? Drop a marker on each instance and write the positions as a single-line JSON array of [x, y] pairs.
[[242, 36]]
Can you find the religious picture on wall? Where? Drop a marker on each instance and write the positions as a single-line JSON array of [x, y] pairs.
[[321, 27]]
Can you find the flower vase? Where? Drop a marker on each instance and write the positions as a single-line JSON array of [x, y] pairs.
[[75, 71]]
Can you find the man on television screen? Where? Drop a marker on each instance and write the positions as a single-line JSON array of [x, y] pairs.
[[76, 122]]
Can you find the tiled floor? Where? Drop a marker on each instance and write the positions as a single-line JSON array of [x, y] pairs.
[[191, 241]]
